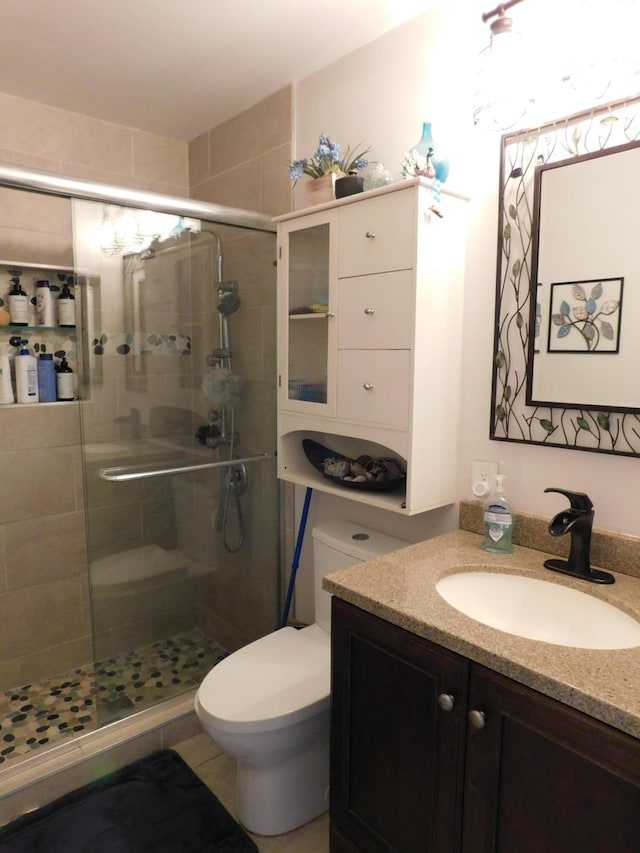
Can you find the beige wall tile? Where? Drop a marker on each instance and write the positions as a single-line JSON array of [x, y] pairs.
[[36, 482], [45, 549], [264, 126], [40, 617], [86, 141], [199, 158], [9, 674], [43, 137], [39, 426], [158, 158], [275, 184], [51, 660], [239, 187]]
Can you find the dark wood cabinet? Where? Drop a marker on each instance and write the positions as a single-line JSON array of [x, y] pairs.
[[432, 753], [396, 754]]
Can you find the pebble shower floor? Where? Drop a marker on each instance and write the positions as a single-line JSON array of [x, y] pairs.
[[45, 714]]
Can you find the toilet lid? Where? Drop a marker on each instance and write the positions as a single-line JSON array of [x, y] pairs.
[[276, 681]]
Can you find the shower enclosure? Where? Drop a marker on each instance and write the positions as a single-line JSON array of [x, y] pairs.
[[175, 361]]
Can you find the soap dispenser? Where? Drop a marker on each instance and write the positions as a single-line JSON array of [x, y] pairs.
[[18, 301], [64, 381], [497, 520], [66, 304]]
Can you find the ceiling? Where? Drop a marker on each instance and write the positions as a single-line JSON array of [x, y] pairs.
[[175, 68]]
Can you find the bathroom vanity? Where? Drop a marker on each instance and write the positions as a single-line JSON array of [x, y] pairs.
[[448, 735]]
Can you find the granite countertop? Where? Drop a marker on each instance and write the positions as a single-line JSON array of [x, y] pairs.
[[400, 588]]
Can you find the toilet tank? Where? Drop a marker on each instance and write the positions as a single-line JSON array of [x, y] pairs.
[[338, 544]]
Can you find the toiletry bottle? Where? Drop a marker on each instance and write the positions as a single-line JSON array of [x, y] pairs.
[[44, 303], [46, 378], [18, 304], [497, 520], [64, 381], [6, 389], [26, 375], [66, 305]]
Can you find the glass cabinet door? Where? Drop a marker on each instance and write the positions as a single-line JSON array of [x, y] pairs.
[[310, 330]]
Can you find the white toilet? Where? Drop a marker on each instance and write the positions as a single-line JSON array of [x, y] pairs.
[[268, 703]]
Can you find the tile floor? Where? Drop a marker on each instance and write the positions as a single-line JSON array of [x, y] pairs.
[[43, 715], [217, 771]]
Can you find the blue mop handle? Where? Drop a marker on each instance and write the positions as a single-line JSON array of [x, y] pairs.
[[296, 555]]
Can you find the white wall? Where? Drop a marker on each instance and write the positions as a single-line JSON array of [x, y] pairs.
[[380, 95]]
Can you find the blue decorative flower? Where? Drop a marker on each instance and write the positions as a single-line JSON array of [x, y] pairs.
[[327, 159]]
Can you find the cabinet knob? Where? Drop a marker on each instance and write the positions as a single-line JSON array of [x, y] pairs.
[[331, 313], [370, 235], [476, 719], [368, 386], [369, 311], [446, 701]]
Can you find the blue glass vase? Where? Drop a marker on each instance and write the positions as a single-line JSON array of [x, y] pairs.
[[434, 153]]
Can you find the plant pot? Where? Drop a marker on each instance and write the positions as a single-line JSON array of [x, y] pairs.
[[349, 185], [320, 190]]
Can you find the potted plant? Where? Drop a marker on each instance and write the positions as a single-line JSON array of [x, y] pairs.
[[326, 166]]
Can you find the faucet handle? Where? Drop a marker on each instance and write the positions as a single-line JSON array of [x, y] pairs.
[[578, 500]]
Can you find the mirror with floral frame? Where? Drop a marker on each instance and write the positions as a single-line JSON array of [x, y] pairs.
[[564, 419]]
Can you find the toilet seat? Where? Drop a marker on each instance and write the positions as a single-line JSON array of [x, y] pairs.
[[274, 682]]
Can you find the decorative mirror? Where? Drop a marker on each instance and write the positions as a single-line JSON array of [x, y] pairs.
[[566, 344]]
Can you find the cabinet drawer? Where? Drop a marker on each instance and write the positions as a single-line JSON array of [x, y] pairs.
[[376, 311], [386, 401], [377, 235]]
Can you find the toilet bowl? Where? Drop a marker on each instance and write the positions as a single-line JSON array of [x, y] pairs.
[[268, 703]]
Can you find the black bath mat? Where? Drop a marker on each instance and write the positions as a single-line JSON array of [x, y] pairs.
[[156, 805]]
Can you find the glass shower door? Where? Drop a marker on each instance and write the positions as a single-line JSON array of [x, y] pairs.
[[178, 420]]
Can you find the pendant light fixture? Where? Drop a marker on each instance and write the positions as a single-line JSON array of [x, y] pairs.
[[504, 92]]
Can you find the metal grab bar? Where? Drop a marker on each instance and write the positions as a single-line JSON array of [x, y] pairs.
[[122, 473]]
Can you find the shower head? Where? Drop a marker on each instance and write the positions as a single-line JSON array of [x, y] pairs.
[[228, 303]]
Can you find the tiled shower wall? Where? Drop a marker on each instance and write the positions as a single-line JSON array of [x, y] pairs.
[[44, 614]]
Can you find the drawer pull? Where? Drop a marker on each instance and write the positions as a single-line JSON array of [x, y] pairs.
[[369, 311], [368, 386], [370, 235], [446, 701], [476, 719]]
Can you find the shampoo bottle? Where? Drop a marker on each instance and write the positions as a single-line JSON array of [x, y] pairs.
[[46, 378], [44, 303], [26, 375], [497, 520]]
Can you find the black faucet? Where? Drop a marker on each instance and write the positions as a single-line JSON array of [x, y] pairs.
[[578, 521]]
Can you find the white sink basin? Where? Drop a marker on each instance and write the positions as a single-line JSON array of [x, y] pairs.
[[540, 610]]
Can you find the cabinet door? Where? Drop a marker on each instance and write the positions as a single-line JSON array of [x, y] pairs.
[[307, 332], [378, 235], [376, 311], [396, 755], [542, 777]]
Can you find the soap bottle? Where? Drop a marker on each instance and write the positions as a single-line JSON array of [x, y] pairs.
[[18, 303], [64, 381], [46, 378], [26, 366], [497, 520], [66, 305]]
